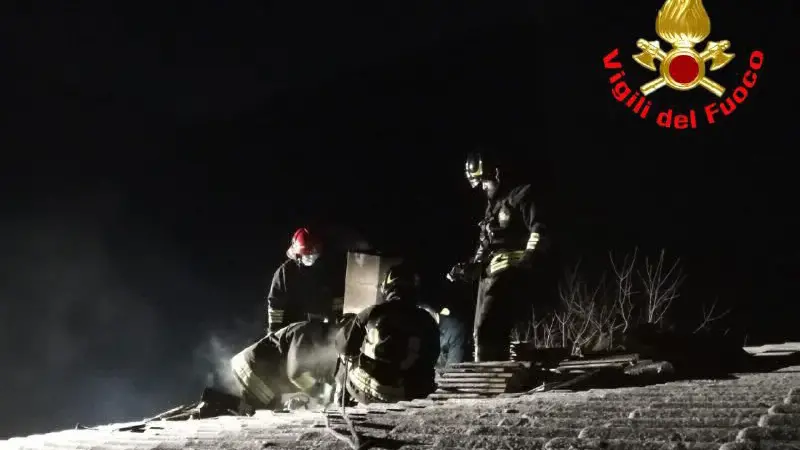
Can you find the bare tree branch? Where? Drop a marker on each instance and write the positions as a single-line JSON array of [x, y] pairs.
[[709, 316], [609, 307], [624, 293], [660, 287]]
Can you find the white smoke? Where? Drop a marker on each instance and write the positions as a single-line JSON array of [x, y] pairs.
[[81, 339], [212, 358]]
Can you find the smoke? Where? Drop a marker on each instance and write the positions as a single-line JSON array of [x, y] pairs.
[[212, 357], [319, 356], [102, 320], [86, 331]]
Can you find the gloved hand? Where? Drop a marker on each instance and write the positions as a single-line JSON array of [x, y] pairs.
[[456, 273], [464, 271], [297, 402]]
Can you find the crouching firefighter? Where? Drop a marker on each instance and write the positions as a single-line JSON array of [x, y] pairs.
[[509, 241], [299, 289], [299, 358], [388, 352]]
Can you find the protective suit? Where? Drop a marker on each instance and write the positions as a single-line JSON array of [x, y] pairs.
[[300, 289], [509, 244], [389, 351], [300, 357]]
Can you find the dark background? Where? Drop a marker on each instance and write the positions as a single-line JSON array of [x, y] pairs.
[[156, 161]]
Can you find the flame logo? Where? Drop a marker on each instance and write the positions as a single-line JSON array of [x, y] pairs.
[[683, 23]]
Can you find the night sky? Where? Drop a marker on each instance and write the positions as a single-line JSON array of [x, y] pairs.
[[156, 161]]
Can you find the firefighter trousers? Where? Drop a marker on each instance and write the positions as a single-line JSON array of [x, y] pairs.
[[260, 372], [501, 299], [454, 341]]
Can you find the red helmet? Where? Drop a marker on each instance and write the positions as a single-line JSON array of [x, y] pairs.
[[302, 244]]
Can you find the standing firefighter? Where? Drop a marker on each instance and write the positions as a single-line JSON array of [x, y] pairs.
[[509, 238], [299, 289], [299, 358], [389, 351]]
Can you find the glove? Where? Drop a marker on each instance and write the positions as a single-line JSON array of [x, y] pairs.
[[297, 402], [464, 272], [456, 273]]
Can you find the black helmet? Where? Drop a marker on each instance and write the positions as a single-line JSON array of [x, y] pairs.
[[479, 168], [400, 277]]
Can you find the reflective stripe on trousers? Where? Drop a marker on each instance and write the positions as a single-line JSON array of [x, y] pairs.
[[251, 383]]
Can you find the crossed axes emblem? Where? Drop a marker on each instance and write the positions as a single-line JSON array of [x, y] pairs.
[[714, 52]]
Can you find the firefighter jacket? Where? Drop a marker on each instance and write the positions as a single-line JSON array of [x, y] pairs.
[[299, 357], [393, 348], [298, 293], [510, 230]]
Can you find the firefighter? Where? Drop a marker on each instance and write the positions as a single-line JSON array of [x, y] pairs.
[[510, 234], [388, 352], [454, 340], [299, 358], [299, 290]]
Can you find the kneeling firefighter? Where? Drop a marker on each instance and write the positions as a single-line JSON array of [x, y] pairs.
[[508, 247], [389, 351], [299, 358]]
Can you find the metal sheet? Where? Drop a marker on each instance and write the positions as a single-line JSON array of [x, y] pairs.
[[364, 274]]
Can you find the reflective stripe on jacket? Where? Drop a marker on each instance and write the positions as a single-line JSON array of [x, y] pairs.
[[364, 382]]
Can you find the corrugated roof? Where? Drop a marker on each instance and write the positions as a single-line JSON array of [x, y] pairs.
[[713, 414]]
